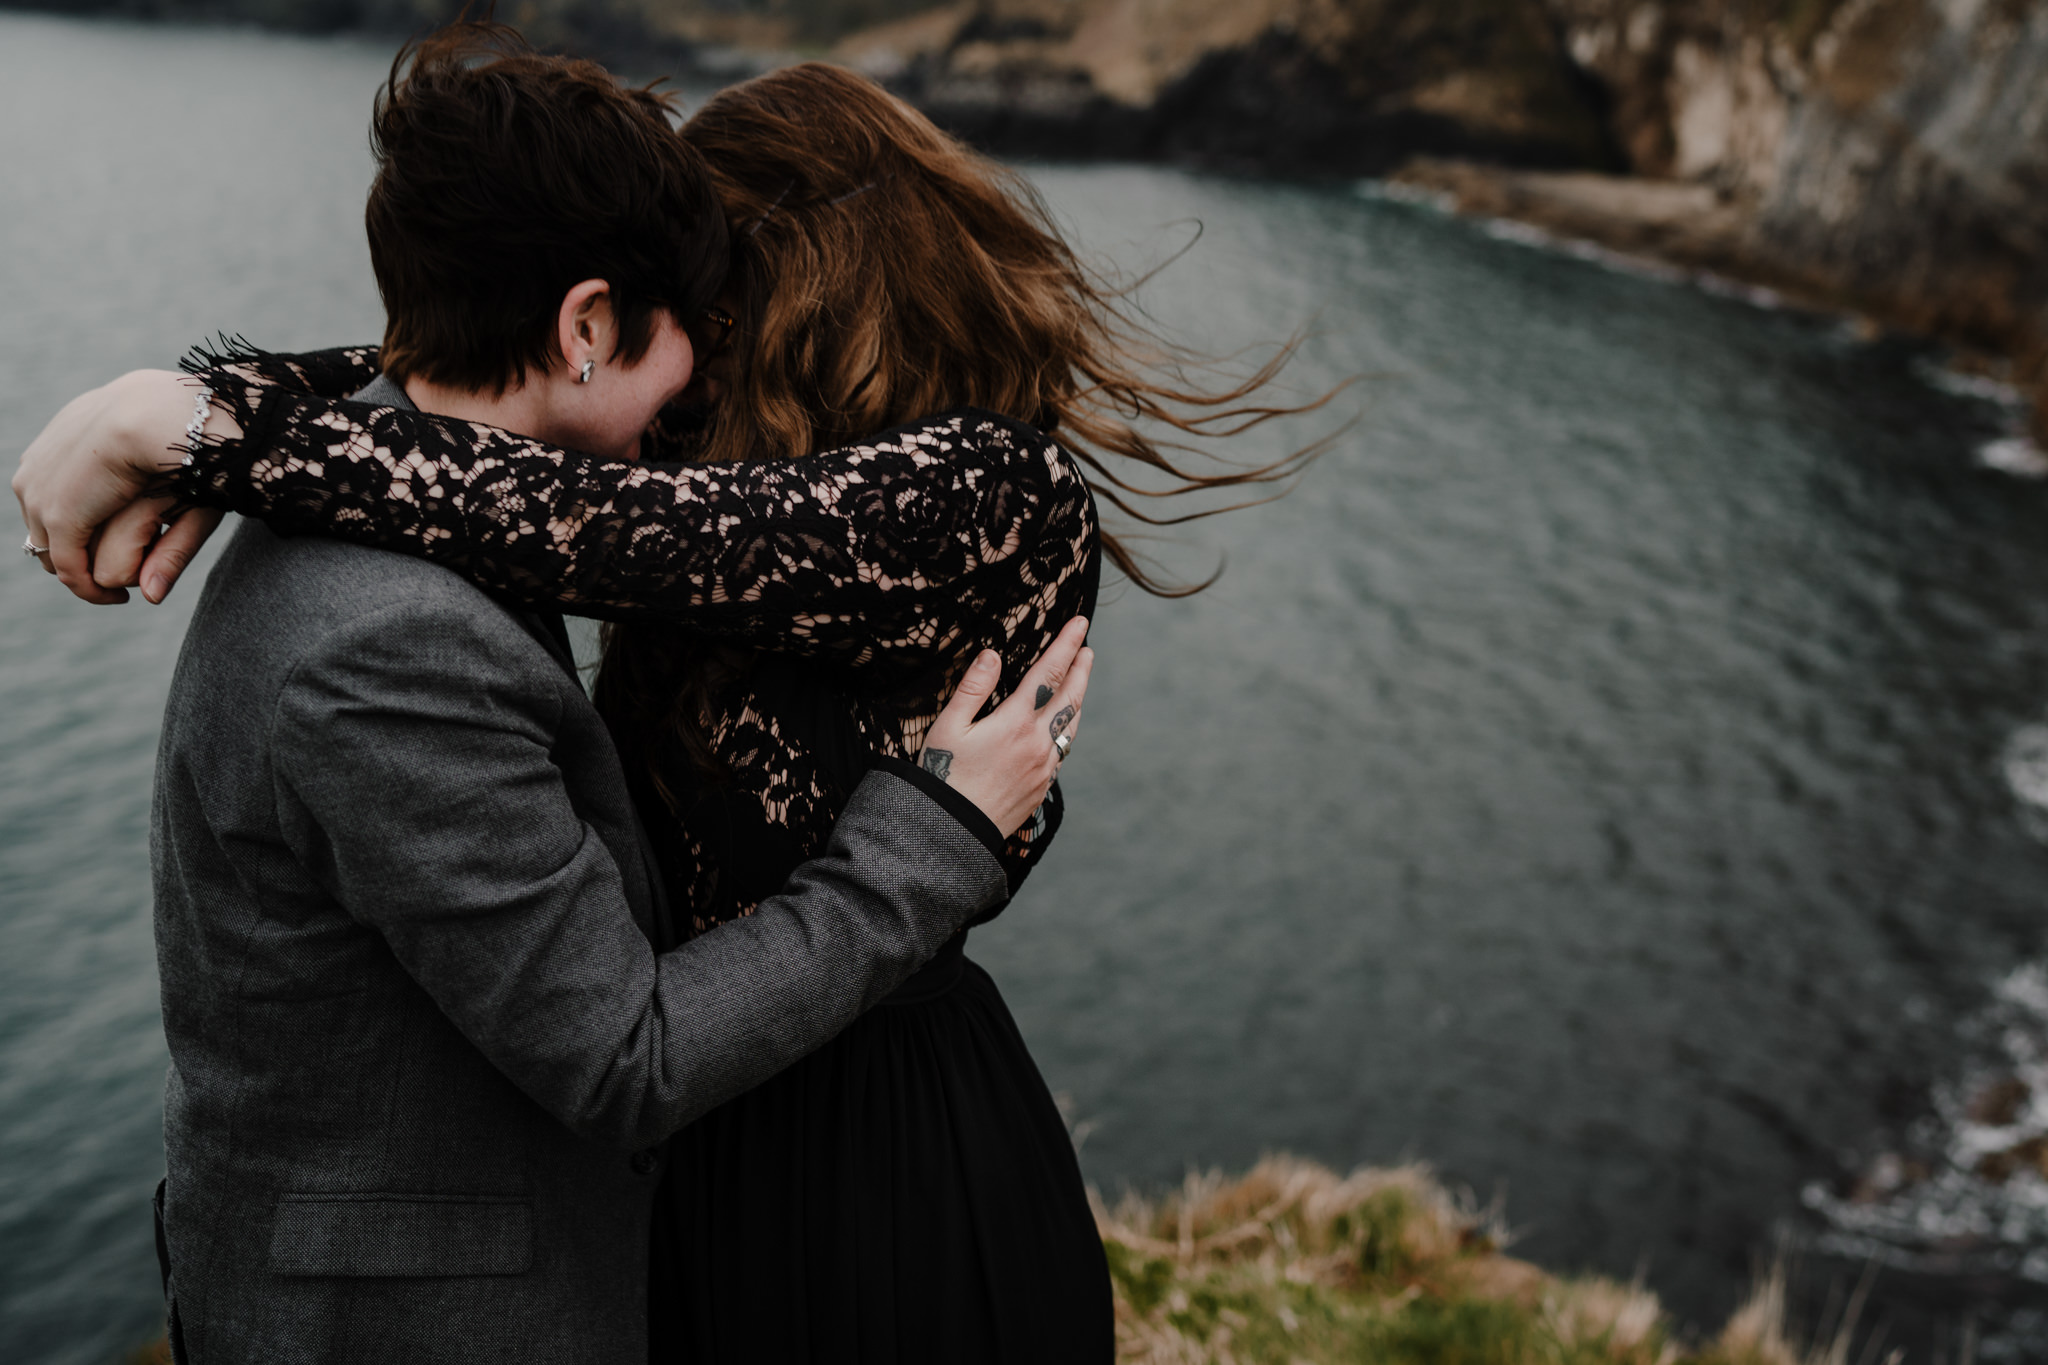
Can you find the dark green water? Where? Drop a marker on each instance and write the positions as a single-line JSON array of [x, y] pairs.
[[1608, 777]]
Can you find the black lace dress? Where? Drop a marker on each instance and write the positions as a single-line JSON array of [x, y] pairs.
[[909, 1191]]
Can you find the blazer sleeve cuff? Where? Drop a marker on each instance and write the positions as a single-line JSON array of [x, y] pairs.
[[951, 801]]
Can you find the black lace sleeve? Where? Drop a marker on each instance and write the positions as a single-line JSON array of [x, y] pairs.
[[924, 542], [334, 373]]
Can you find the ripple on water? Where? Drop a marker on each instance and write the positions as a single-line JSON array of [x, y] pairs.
[[2025, 766], [1961, 1199], [1563, 785]]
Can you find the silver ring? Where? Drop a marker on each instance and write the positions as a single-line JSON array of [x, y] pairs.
[[33, 550], [1064, 745]]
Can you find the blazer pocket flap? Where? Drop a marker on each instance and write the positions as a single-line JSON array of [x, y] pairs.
[[401, 1234]]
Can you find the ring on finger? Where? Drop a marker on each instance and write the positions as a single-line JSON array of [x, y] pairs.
[[33, 550], [1064, 745]]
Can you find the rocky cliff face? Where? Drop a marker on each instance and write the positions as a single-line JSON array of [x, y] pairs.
[[1888, 155], [1347, 86], [1913, 167]]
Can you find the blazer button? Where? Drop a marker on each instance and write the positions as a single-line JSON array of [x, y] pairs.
[[646, 1161]]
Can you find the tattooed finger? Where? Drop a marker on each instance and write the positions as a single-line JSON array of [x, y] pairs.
[[1044, 696], [1061, 721]]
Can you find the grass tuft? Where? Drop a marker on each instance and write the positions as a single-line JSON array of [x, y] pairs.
[[1295, 1265]]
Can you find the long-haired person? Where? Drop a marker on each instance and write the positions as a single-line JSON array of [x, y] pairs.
[[908, 1192], [423, 1059]]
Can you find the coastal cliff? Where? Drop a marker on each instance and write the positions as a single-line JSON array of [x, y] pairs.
[[1888, 157], [1275, 86], [1884, 157]]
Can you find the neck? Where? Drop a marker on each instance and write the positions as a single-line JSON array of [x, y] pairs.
[[521, 408]]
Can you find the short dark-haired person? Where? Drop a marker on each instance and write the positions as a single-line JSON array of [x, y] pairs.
[[520, 202], [424, 1050], [791, 607]]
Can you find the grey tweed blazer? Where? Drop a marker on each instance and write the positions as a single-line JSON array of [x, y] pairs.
[[422, 1052]]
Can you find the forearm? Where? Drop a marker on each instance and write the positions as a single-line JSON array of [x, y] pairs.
[[476, 868], [846, 551], [735, 1006]]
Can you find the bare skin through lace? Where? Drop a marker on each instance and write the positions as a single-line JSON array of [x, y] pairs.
[[883, 565]]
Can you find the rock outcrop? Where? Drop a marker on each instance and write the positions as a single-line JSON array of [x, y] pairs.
[[1887, 156], [1279, 86]]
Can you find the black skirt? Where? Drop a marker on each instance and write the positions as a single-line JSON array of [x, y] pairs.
[[907, 1193]]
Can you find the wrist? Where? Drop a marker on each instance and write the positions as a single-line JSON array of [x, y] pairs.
[[151, 410], [950, 799]]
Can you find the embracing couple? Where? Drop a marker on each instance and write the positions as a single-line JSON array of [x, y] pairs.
[[509, 1024]]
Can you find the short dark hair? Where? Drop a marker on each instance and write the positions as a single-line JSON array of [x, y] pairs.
[[505, 177]]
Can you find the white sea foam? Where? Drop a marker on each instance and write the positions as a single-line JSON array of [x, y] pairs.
[[1945, 1210], [2014, 455], [1978, 386], [1755, 295], [1417, 195], [1541, 239], [1522, 234], [1626, 263], [2025, 766]]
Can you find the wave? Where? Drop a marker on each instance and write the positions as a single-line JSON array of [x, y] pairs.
[[1394, 192], [1967, 1193], [1541, 239], [2014, 455], [1981, 387]]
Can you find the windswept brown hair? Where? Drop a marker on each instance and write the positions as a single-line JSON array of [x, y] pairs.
[[880, 272], [504, 178], [884, 272]]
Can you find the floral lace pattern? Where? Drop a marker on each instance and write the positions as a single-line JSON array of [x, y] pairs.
[[882, 566]]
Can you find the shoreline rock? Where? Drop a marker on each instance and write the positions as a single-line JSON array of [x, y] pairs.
[[1698, 229], [1277, 87], [1884, 157]]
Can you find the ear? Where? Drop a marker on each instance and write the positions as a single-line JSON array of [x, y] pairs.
[[585, 329]]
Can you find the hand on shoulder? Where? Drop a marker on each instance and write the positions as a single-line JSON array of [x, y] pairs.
[[1006, 762]]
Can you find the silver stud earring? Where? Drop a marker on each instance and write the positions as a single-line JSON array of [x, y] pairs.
[[588, 366]]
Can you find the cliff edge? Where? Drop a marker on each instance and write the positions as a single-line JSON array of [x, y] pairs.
[[1351, 87], [1888, 157]]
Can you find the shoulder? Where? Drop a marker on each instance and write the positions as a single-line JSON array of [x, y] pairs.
[[1021, 457], [305, 598], [1030, 444], [1002, 438], [974, 434]]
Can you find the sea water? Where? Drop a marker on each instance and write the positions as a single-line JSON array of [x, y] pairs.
[[1616, 774]]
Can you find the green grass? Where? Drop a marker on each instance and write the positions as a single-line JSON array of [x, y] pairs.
[[1292, 1264], [1295, 1265]]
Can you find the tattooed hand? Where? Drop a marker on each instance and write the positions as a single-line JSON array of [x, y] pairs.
[[1002, 762]]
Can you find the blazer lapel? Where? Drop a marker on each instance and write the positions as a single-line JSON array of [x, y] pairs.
[[548, 628]]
